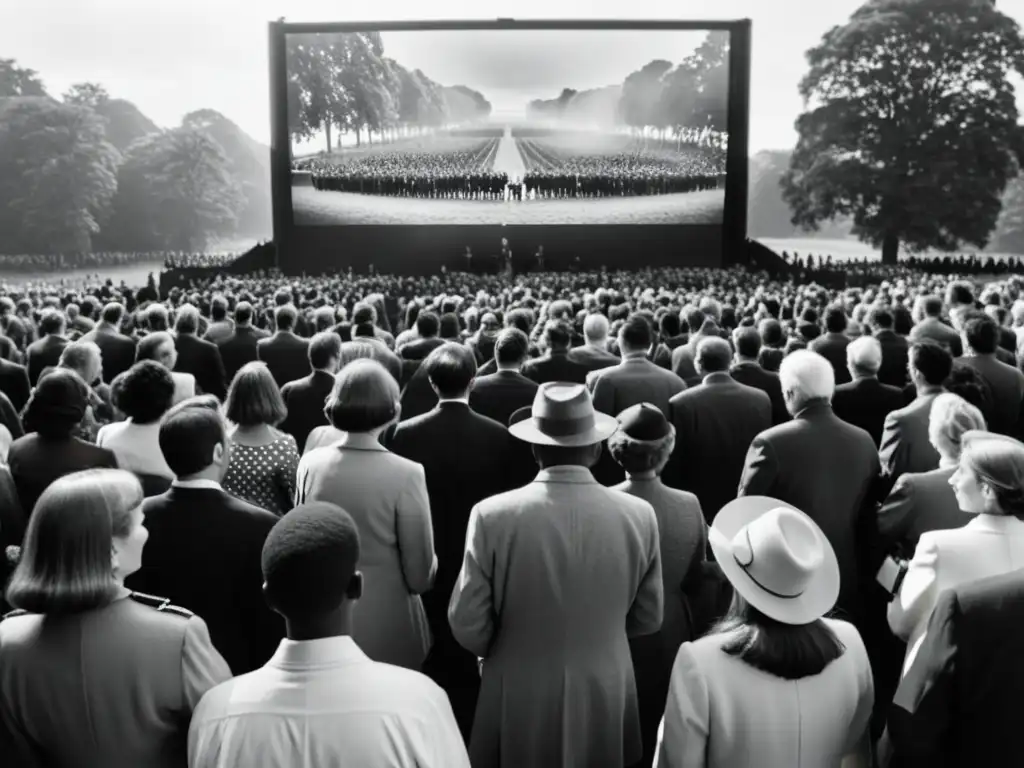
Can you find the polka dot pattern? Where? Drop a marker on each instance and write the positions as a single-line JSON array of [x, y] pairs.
[[264, 475]]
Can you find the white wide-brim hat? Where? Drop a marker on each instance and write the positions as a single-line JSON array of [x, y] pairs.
[[776, 558]]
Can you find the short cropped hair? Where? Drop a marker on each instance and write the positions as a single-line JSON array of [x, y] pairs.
[[51, 322], [932, 360], [714, 355], [809, 374], [950, 418], [881, 318], [557, 334], [218, 308], [748, 342], [64, 566], [150, 343], [595, 327], [450, 368], [511, 346], [113, 313], [427, 325], [243, 312], [636, 333], [932, 306], [324, 347], [144, 392], [188, 434], [254, 397], [187, 320], [81, 356], [364, 312], [285, 317], [864, 355], [981, 333], [364, 397], [835, 320]]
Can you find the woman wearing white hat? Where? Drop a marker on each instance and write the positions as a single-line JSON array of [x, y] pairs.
[[774, 684]]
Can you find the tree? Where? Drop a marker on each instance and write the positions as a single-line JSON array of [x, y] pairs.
[[1009, 234], [910, 124], [91, 95], [17, 81], [57, 176], [175, 192], [711, 103], [641, 95]]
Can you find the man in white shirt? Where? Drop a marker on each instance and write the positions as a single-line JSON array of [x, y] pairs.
[[320, 700]]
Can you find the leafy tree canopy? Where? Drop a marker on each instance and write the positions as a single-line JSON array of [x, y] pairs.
[[18, 81]]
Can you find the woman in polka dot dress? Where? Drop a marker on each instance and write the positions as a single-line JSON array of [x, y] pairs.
[[263, 460]]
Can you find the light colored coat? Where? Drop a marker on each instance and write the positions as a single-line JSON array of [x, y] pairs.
[[557, 576], [723, 713], [386, 495], [989, 545]]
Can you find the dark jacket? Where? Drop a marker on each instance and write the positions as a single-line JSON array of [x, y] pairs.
[[592, 358], [305, 400], [895, 351], [918, 503], [555, 366], [1006, 384], [35, 462], [44, 353], [905, 445], [203, 554], [832, 346], [14, 383], [239, 348], [418, 349], [501, 394], [865, 403], [117, 349], [753, 375], [286, 355], [936, 330], [201, 359]]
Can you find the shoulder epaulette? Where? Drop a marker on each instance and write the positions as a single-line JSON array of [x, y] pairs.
[[12, 614], [162, 604]]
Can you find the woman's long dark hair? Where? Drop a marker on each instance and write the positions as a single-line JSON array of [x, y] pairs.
[[788, 651]]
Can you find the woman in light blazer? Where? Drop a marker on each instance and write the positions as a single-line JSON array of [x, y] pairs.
[[386, 495], [989, 483], [775, 683]]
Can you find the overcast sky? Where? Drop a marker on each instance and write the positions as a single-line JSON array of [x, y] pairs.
[[174, 56]]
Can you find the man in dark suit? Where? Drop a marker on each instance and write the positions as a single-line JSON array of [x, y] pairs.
[[715, 423], [118, 350], [746, 370], [305, 398], [832, 346], [958, 704], [822, 466], [905, 445], [204, 545], [286, 355], [932, 327], [499, 395], [428, 325], [241, 346], [594, 354], [466, 459], [1006, 383], [555, 364], [683, 356], [45, 353], [865, 401], [196, 356], [894, 348], [14, 383]]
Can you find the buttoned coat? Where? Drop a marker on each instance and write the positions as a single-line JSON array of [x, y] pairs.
[[557, 576]]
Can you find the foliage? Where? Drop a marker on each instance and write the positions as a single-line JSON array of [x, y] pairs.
[[175, 192], [910, 125], [91, 95], [18, 81], [57, 176]]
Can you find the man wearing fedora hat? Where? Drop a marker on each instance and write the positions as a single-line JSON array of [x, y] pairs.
[[557, 576]]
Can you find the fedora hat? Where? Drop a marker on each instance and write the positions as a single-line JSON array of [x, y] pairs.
[[776, 558], [562, 414]]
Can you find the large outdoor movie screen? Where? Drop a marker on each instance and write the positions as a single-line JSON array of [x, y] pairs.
[[512, 126]]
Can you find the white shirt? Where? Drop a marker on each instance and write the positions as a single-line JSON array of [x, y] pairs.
[[324, 702], [136, 447]]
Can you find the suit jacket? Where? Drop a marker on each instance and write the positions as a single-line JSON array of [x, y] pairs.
[[203, 554], [201, 359], [419, 348], [286, 355], [593, 358], [683, 363], [865, 403], [501, 394], [958, 705], [634, 380], [827, 469], [557, 576], [905, 446], [832, 346], [895, 351], [918, 503], [305, 400], [44, 353], [1006, 384], [555, 366], [715, 423], [35, 462], [418, 397], [988, 545], [240, 348], [380, 352], [219, 330], [753, 375], [936, 330], [149, 663], [14, 383], [117, 349]]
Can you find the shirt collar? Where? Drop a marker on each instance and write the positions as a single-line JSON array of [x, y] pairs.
[[463, 400], [568, 473], [360, 441], [209, 485], [322, 652]]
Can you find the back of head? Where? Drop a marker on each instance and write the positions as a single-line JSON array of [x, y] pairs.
[[771, 332], [254, 398], [864, 356], [998, 461], [428, 325], [951, 417], [981, 333], [835, 320], [450, 368], [714, 355], [150, 344], [243, 313], [218, 308], [557, 335], [511, 347], [364, 312], [932, 306], [595, 328], [309, 561], [51, 322], [324, 347], [57, 404], [748, 343], [669, 325], [520, 318], [84, 358], [960, 292], [636, 334], [931, 360], [966, 381], [187, 321], [113, 313], [365, 397], [285, 317], [881, 319], [156, 317], [144, 392], [450, 328], [806, 376], [189, 434]]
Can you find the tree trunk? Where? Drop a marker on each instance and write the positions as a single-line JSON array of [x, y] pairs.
[[890, 248], [327, 128], [359, 142]]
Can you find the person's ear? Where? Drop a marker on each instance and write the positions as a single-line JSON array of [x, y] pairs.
[[354, 591], [218, 453]]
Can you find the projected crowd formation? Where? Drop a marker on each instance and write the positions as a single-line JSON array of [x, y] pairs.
[[509, 126]]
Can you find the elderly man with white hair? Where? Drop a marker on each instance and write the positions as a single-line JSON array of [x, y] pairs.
[[865, 401], [823, 466], [594, 354]]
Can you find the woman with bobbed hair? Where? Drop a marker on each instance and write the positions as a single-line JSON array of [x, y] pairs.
[[989, 484], [924, 501], [387, 497], [91, 673], [144, 393], [263, 459]]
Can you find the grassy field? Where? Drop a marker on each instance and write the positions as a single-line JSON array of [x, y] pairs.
[[847, 250]]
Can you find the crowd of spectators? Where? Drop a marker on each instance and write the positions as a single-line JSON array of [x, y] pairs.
[[568, 519]]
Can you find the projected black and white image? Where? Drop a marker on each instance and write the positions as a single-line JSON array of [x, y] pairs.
[[508, 126]]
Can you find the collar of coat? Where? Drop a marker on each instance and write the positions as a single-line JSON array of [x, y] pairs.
[[568, 473]]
